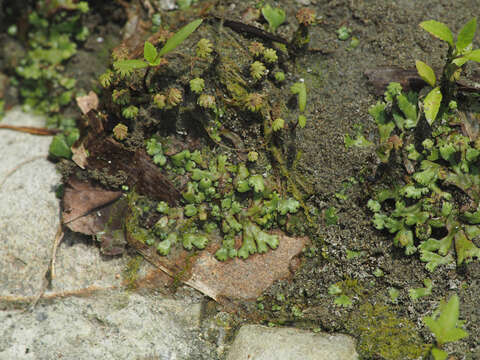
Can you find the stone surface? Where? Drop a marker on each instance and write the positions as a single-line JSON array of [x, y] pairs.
[[112, 325], [264, 343], [28, 206], [29, 218]]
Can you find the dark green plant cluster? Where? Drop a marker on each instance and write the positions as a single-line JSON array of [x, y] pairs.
[[436, 210], [428, 212], [55, 29], [219, 198], [52, 41], [211, 95]]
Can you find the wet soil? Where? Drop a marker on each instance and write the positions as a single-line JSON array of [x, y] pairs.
[[338, 101]]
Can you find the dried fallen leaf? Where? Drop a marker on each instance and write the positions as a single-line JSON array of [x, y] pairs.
[[91, 210], [80, 155], [245, 279], [235, 279], [470, 123], [81, 198], [87, 102]]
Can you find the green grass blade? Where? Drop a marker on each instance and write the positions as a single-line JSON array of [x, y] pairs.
[[179, 37]]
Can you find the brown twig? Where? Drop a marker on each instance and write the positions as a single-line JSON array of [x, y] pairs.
[[50, 272], [31, 130]]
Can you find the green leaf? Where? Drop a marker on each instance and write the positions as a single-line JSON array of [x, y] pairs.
[[429, 174], [222, 254], [439, 30], [302, 121], [126, 67], [263, 239], [393, 90], [417, 293], [378, 112], [439, 354], [385, 130], [179, 37], [343, 300], [274, 16], [149, 52], [465, 248], [431, 104], [465, 36], [163, 247], [331, 217], [412, 192], [374, 205], [426, 72], [444, 326], [300, 89], [59, 147], [256, 182], [379, 221], [408, 109], [359, 141], [334, 289], [460, 61], [433, 260], [474, 55], [248, 247]]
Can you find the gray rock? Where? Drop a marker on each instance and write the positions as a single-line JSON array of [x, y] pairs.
[[264, 343], [111, 325], [105, 322], [29, 211], [29, 218]]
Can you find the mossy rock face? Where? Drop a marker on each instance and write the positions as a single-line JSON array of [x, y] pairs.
[[200, 138], [384, 335]]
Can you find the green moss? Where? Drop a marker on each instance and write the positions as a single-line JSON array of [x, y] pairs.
[[130, 274], [383, 334]]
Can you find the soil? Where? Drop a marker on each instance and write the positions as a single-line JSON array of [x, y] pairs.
[[339, 96]]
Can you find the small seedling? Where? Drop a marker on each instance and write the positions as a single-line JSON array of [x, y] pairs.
[[300, 89], [445, 326], [418, 293], [152, 57], [274, 16], [344, 33], [331, 217], [340, 298], [458, 54]]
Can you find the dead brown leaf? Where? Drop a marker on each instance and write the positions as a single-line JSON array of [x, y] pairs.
[[81, 198], [469, 123], [245, 279], [235, 279], [87, 102], [80, 155], [92, 210]]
